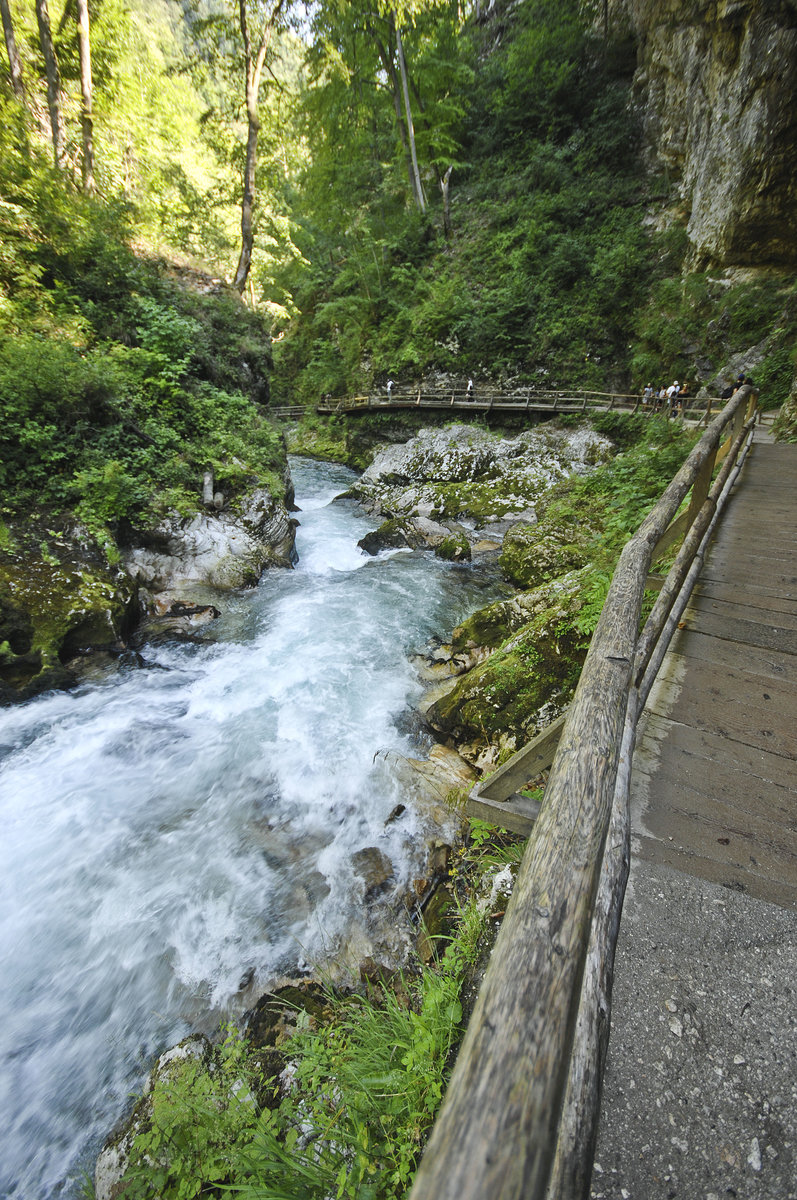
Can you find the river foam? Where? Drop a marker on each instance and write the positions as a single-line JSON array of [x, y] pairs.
[[179, 829]]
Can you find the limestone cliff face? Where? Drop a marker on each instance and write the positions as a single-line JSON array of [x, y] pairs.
[[717, 82]]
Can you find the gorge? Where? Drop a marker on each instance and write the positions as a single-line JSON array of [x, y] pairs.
[[206, 744]]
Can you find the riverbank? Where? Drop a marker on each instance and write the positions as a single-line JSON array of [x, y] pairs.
[[480, 654]]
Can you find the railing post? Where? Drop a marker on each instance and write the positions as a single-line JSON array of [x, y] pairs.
[[700, 489]]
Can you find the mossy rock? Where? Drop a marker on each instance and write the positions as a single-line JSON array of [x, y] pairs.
[[454, 549], [489, 627], [274, 1017], [391, 535], [506, 700], [52, 611], [533, 554], [785, 424]]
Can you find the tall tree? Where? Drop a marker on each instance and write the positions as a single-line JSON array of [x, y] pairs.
[[266, 20], [417, 186], [14, 63], [386, 36], [86, 118], [53, 81]]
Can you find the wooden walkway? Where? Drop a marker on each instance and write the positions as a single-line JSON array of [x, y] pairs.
[[714, 784], [700, 1088]]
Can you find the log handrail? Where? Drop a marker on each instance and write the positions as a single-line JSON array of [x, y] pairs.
[[520, 1114]]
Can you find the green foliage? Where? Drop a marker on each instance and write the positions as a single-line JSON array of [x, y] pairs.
[[613, 500], [363, 1091], [697, 310], [593, 596], [119, 384], [547, 262], [203, 1116], [490, 848]]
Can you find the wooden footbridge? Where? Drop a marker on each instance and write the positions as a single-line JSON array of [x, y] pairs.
[[713, 792], [519, 400]]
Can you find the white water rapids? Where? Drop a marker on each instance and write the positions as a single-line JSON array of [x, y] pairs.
[[176, 828]]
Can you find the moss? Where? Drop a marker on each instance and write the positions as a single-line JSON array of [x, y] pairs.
[[454, 549], [487, 627], [391, 534], [483, 500], [533, 554], [52, 610], [508, 698]]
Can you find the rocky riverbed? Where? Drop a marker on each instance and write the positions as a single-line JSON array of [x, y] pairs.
[[480, 492]]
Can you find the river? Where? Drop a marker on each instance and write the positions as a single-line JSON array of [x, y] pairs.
[[175, 832]]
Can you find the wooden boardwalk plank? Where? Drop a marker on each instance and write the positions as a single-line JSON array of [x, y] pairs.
[[746, 708], [723, 764], [737, 878], [748, 633], [761, 818], [782, 617], [715, 772], [693, 643], [753, 566], [751, 592]]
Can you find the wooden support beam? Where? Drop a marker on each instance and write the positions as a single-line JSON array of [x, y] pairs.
[[523, 766], [517, 813]]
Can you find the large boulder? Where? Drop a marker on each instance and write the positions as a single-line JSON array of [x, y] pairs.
[[226, 549], [463, 486], [517, 664], [52, 612], [533, 554]]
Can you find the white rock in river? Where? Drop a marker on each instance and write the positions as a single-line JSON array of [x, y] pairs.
[[461, 471], [223, 549]]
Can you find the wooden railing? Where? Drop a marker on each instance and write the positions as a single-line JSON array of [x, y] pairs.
[[569, 400], [520, 1115], [287, 412]]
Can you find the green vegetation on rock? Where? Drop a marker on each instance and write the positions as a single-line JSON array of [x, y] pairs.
[[525, 654], [329, 1096]]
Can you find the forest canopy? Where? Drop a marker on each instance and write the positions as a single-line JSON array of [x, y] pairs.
[[414, 189]]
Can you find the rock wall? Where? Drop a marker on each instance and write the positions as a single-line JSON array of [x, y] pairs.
[[717, 85]]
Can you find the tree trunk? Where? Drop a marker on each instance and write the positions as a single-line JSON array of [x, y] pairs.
[[444, 182], [14, 64], [53, 81], [395, 91], [254, 73], [86, 121], [420, 199], [248, 200]]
